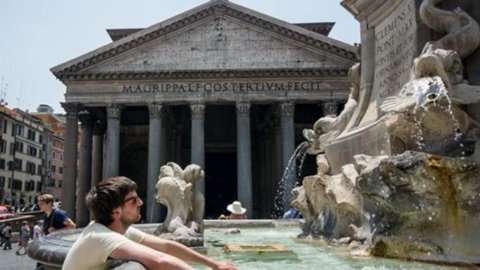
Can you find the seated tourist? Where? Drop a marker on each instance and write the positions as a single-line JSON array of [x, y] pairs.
[[115, 206], [236, 211]]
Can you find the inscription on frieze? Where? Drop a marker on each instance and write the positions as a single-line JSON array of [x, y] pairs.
[[395, 48], [217, 87]]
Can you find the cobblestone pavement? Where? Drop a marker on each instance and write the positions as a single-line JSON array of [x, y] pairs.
[[10, 261]]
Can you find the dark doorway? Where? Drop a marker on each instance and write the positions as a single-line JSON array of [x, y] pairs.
[[220, 182]]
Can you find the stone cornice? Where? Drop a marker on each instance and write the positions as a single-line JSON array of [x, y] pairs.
[[204, 74], [215, 9], [284, 31]]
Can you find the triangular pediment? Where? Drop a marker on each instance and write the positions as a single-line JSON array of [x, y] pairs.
[[218, 35]]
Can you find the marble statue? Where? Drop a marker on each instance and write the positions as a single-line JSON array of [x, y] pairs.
[[176, 190], [330, 126]]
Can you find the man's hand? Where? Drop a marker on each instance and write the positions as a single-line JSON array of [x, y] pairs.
[[224, 266]]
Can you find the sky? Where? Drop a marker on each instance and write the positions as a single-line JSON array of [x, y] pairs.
[[37, 35]]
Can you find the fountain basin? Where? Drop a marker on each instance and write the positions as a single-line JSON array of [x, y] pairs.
[[304, 254], [52, 249]]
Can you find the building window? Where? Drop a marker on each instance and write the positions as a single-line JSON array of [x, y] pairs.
[[5, 124], [60, 170], [30, 167], [30, 185], [3, 146], [17, 130], [54, 169], [9, 182], [40, 138], [12, 148], [18, 164], [2, 163], [32, 151], [39, 186], [2, 181], [17, 185], [31, 135], [60, 182], [19, 147], [40, 170]]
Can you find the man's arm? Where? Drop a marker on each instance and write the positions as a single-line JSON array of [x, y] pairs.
[[69, 224], [150, 258], [180, 251]]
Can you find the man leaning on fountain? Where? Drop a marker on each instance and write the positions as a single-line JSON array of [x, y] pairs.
[[115, 206]]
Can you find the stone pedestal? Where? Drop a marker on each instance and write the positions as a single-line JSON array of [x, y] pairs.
[[391, 39]]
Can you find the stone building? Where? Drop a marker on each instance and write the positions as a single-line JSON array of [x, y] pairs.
[[22, 155], [220, 85], [54, 149]]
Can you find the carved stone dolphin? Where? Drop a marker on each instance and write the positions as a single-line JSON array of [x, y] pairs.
[[416, 93]]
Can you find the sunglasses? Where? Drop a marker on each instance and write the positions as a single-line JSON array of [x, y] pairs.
[[135, 199]]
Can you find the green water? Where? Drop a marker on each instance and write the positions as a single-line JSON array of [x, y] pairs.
[[311, 256]]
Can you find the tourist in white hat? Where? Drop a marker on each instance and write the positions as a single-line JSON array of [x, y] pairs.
[[236, 211]]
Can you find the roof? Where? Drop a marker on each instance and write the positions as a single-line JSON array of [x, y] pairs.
[[126, 40], [323, 28]]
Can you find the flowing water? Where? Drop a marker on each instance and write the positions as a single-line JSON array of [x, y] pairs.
[[420, 113], [291, 175], [306, 255]]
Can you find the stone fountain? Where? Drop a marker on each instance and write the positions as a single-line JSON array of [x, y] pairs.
[[398, 167]]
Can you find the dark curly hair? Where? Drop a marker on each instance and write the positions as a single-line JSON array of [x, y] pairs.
[[108, 195]]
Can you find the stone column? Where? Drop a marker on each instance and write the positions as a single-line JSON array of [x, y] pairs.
[[112, 157], [288, 147], [70, 158], [154, 158], [85, 170], [244, 157], [198, 139], [329, 107], [97, 152]]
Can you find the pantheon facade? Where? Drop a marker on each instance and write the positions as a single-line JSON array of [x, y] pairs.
[[220, 85]]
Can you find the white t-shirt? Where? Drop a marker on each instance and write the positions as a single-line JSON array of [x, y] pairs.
[[95, 244]]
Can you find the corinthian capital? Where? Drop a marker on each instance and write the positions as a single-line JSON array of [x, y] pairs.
[[243, 107], [85, 119], [114, 110], [155, 110], [330, 107], [287, 109], [71, 109], [198, 110]]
